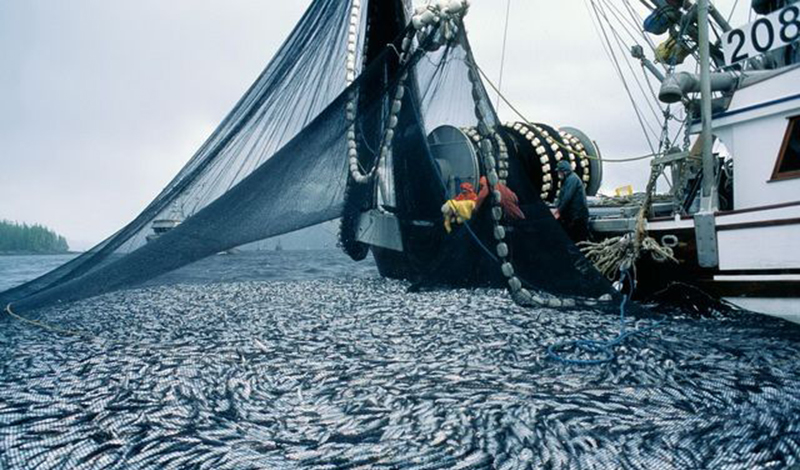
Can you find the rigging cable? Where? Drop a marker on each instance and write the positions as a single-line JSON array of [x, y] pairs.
[[503, 54], [624, 52], [635, 18], [650, 86], [556, 142], [733, 9], [600, 26], [638, 20], [613, 57], [647, 5], [628, 24]]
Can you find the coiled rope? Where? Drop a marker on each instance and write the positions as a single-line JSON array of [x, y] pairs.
[[620, 254], [604, 349]]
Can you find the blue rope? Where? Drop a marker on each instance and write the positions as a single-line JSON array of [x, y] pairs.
[[604, 349]]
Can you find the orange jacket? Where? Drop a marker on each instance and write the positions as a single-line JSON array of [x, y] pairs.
[[509, 201]]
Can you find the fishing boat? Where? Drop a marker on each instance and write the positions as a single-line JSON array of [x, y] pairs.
[[732, 214], [160, 227], [393, 118], [395, 197], [720, 204]]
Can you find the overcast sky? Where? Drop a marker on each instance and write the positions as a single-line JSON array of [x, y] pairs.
[[103, 101]]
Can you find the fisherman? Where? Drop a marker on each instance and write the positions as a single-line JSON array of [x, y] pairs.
[[571, 209], [460, 209]]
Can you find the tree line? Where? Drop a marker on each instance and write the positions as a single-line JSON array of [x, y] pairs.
[[24, 238]]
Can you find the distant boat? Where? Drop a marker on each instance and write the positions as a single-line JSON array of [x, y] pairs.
[[278, 246], [160, 227]]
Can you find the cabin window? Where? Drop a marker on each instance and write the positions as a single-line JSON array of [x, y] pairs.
[[788, 165]]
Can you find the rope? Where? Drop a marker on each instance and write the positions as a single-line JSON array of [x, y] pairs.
[[636, 21], [608, 47], [625, 53], [603, 348], [619, 254], [559, 144], [503, 54], [733, 10], [43, 325]]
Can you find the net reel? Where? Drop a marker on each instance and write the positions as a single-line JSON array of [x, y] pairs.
[[540, 147]]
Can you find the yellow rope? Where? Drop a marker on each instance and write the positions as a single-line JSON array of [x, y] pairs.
[[42, 324], [615, 255], [559, 144]]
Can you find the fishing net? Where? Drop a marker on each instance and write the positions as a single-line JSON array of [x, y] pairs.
[[304, 78], [341, 374], [279, 161]]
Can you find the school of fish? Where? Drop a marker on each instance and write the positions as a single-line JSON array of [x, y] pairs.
[[362, 374]]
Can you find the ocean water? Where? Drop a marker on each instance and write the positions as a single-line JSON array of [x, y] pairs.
[[307, 360], [16, 269], [241, 266]]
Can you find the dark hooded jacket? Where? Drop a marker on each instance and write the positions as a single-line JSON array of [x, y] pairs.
[[572, 199]]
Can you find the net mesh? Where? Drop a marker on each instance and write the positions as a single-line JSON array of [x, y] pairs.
[[278, 162], [293, 379], [274, 165]]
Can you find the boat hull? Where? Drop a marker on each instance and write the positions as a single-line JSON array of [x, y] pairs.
[[759, 263]]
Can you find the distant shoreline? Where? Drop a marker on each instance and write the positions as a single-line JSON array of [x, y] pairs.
[[33, 253]]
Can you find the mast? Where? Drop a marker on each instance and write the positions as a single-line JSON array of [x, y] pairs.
[[705, 224], [709, 177]]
